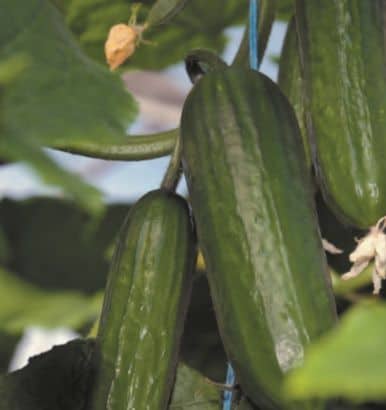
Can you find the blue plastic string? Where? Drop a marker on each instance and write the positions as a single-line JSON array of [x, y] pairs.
[[253, 34], [254, 64], [230, 381]]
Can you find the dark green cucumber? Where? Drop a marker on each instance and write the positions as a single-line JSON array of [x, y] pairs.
[[343, 60], [290, 81], [256, 222], [144, 306]]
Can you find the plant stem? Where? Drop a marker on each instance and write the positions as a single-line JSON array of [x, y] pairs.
[[199, 62], [135, 148], [345, 287], [174, 171]]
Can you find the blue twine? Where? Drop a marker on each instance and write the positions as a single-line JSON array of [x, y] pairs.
[[253, 34], [230, 381], [254, 64]]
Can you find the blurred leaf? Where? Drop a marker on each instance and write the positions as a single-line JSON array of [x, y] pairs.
[[59, 96], [7, 348], [285, 9], [193, 391], [55, 245], [198, 25], [56, 380], [22, 305], [163, 10], [28, 151], [51, 93], [62, 96], [4, 248], [24, 148], [349, 362]]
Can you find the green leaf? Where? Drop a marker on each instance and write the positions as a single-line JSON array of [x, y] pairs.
[[198, 25], [22, 305], [163, 11], [349, 362], [4, 248], [40, 96], [193, 391], [55, 245], [55, 380], [62, 96], [23, 149], [285, 9]]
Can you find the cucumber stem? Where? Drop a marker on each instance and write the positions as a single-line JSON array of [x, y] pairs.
[[199, 62], [135, 148], [174, 170]]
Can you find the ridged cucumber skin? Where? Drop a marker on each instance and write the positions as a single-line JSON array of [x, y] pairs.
[[290, 81], [251, 198], [343, 60], [145, 303]]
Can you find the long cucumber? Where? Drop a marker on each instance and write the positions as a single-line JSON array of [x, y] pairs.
[[343, 64], [252, 202]]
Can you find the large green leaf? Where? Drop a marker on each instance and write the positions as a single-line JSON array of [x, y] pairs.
[[198, 25], [20, 147], [55, 245], [349, 362], [163, 10], [56, 380], [22, 305], [51, 93], [62, 96]]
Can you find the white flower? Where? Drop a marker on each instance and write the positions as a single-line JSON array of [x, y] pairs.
[[372, 246]]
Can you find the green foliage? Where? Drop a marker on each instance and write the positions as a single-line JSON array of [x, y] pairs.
[[71, 249], [199, 24], [285, 9], [59, 256], [55, 380], [52, 93], [16, 147], [193, 391], [22, 305], [164, 10], [348, 362]]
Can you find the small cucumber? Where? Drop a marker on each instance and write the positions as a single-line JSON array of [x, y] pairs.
[[256, 222], [342, 54], [144, 308]]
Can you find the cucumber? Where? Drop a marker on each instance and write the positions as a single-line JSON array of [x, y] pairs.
[[290, 81], [251, 198], [144, 307], [342, 54]]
